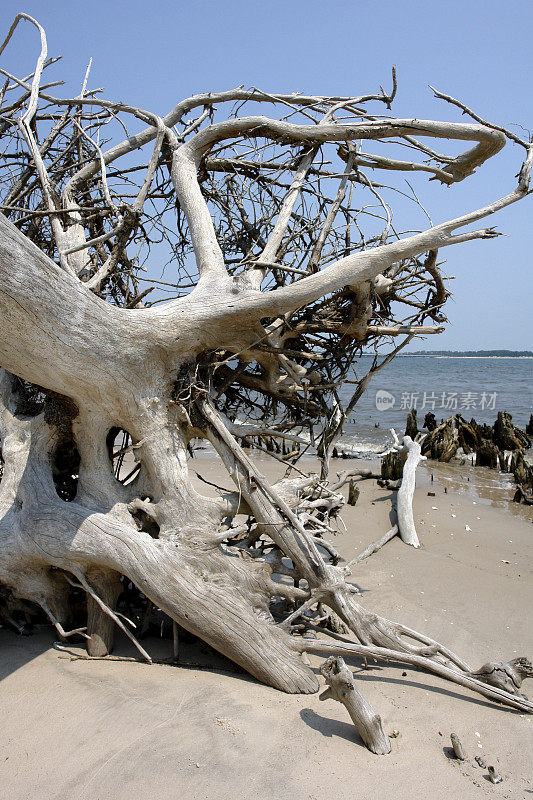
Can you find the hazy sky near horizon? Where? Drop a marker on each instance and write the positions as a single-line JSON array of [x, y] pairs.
[[154, 53]]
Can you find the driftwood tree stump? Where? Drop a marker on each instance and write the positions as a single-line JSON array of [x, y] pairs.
[[411, 428], [341, 687], [392, 465], [506, 435], [501, 447], [272, 301]]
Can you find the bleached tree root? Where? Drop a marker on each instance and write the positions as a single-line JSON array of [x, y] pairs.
[[384, 654], [341, 687], [375, 546], [105, 610], [406, 523], [379, 637], [222, 600]]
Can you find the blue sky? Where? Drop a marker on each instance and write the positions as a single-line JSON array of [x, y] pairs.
[[154, 53]]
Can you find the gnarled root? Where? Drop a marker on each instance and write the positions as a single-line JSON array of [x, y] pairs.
[[220, 598], [189, 571], [197, 589], [505, 675], [379, 637], [382, 653]]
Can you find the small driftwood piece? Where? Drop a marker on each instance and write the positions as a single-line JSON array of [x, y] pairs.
[[406, 523], [341, 687], [353, 493], [457, 747], [375, 546], [521, 494], [494, 776]]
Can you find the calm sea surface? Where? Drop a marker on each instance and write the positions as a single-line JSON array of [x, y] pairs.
[[475, 387]]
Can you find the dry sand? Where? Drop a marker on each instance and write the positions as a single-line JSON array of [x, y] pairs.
[[92, 730]]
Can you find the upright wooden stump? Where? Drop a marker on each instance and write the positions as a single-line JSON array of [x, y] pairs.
[[100, 626], [341, 687]]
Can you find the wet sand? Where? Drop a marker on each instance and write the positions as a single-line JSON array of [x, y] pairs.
[[92, 730]]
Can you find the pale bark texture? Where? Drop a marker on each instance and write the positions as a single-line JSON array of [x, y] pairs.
[[271, 294]]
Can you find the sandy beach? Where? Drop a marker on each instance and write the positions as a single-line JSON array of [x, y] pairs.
[[92, 730]]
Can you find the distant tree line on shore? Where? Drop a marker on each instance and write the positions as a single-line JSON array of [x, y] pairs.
[[484, 353]]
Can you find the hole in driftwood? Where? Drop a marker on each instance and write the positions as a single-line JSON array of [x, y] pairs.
[[145, 523], [125, 466], [65, 469], [30, 399]]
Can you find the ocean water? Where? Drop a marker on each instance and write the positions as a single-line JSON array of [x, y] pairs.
[[474, 387]]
